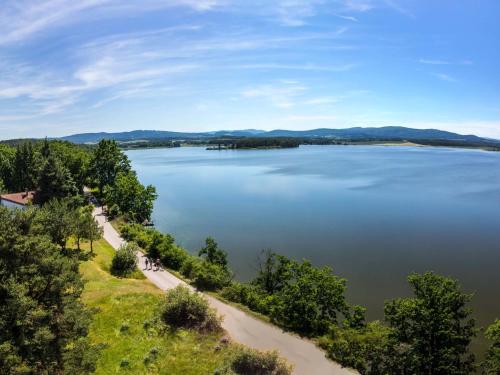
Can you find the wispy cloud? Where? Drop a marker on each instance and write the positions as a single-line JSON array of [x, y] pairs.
[[444, 77], [433, 62], [27, 18], [322, 100], [306, 67], [280, 94]]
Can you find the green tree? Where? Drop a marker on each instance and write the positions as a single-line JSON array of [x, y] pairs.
[[7, 157], [491, 365], [274, 272], [107, 162], [75, 158], [43, 322], [435, 325], [310, 300], [131, 197], [55, 181], [86, 227], [213, 254], [25, 168], [57, 220]]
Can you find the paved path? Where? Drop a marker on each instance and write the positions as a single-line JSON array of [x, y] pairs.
[[243, 328]]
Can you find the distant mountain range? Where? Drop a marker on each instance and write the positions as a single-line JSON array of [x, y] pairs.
[[348, 134]]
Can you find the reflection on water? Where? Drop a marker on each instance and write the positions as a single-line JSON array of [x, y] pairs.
[[373, 213]]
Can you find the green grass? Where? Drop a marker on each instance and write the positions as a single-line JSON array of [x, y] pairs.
[[123, 306]]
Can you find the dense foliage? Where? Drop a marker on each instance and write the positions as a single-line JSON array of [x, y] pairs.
[[429, 333], [127, 196], [435, 325], [124, 262], [491, 365], [107, 161], [253, 362], [57, 169], [186, 309], [43, 324], [259, 142]]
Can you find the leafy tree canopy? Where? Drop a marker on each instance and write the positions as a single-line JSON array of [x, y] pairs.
[[435, 324], [43, 323], [107, 162], [212, 253]]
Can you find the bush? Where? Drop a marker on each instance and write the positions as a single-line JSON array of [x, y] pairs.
[[253, 362], [210, 276], [492, 363], [137, 234], [190, 265], [247, 295], [162, 246], [365, 349], [173, 257], [186, 309], [113, 211], [124, 262]]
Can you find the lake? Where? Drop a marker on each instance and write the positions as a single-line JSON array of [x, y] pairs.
[[372, 213]]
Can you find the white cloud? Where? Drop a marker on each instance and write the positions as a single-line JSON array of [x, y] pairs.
[[444, 77], [280, 95], [21, 19], [433, 62], [306, 67], [322, 100]]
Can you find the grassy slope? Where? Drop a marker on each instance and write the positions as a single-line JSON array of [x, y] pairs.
[[132, 302]]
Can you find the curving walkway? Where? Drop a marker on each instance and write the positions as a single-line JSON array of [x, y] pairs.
[[306, 357]]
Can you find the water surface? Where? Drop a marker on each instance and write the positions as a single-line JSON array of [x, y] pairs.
[[373, 213]]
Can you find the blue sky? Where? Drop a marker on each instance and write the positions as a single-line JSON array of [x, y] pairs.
[[192, 65]]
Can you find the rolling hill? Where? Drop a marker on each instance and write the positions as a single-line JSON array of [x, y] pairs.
[[349, 134]]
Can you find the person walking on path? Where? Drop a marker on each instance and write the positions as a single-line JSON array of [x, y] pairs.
[[147, 262]]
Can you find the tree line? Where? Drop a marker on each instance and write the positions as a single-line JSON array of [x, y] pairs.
[[253, 142], [59, 169], [427, 333]]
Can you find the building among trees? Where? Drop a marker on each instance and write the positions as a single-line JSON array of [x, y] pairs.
[[18, 200]]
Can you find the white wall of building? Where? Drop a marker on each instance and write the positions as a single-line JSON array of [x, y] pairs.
[[12, 205]]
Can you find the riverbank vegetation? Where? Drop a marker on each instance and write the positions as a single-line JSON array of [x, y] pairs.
[[429, 332]]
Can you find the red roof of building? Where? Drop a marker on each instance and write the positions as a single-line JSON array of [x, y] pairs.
[[20, 198]]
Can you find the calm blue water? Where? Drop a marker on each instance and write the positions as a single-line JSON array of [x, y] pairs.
[[373, 213]]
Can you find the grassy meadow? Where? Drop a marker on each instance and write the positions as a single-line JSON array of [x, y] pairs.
[[125, 309]]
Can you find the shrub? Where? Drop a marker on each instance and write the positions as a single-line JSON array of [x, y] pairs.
[[253, 362], [247, 295], [365, 349], [210, 276], [186, 309], [137, 233], [190, 265], [125, 260], [492, 363], [113, 211], [173, 257]]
